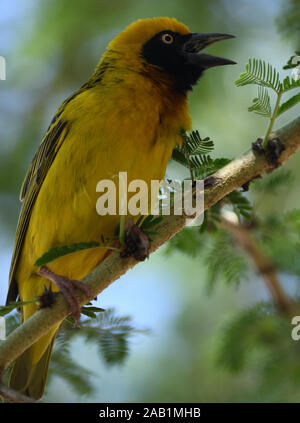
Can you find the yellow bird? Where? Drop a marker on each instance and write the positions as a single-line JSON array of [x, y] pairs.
[[127, 117]]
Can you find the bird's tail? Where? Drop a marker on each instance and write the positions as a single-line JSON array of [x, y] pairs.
[[28, 378], [29, 373]]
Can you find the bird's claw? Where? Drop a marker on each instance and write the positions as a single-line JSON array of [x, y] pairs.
[[137, 243], [257, 146], [272, 152], [68, 289]]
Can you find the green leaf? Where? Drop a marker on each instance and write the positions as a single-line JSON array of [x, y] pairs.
[[244, 332], [188, 241], [56, 252], [261, 105], [196, 145], [289, 104], [191, 153], [63, 365], [149, 222], [200, 161], [91, 311], [281, 235], [290, 84], [272, 183], [179, 157], [241, 205], [210, 167], [224, 260], [111, 333], [212, 217], [16, 304], [12, 322], [260, 73], [290, 64]]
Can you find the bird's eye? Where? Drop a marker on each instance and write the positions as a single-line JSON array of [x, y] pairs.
[[167, 38]]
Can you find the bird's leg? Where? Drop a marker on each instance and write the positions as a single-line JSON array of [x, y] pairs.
[[122, 230], [273, 150], [68, 289], [137, 243]]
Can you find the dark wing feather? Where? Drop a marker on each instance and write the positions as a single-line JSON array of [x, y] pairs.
[[34, 178]]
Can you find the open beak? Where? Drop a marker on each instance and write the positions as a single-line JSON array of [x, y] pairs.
[[198, 42]]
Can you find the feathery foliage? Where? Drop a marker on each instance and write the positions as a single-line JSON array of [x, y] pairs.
[[290, 84], [251, 327], [241, 205], [292, 62], [260, 73], [224, 260], [193, 154], [146, 223], [4, 310], [274, 182], [110, 332], [195, 145], [261, 104], [64, 250], [259, 337], [289, 104], [267, 77], [63, 365], [105, 329], [280, 237]]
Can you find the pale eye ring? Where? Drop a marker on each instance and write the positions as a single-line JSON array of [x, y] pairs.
[[167, 38]]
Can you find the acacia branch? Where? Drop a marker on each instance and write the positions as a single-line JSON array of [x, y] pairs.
[[263, 264], [234, 175], [10, 395]]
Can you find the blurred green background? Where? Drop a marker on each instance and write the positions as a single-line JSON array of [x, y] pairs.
[[51, 47]]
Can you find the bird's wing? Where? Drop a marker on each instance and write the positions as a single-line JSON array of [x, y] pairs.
[[34, 178], [53, 139]]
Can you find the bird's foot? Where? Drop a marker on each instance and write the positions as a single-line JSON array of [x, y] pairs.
[[137, 243], [272, 152], [257, 146], [47, 299], [68, 289]]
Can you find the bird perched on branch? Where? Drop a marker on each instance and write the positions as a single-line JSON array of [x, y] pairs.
[[127, 117]]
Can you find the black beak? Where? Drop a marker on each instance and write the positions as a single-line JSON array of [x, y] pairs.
[[198, 42]]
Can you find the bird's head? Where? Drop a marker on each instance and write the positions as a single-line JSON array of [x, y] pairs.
[[164, 46]]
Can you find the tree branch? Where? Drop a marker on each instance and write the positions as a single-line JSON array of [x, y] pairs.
[[234, 175], [10, 395], [263, 264]]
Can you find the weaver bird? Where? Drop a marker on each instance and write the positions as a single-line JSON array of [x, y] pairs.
[[127, 117]]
